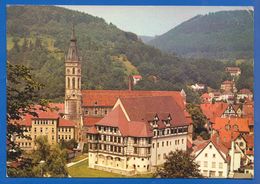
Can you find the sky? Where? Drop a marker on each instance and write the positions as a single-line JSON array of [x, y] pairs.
[[149, 20]]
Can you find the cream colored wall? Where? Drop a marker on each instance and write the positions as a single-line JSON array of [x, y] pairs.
[[206, 162], [49, 129], [66, 133], [24, 143], [160, 147], [44, 128]]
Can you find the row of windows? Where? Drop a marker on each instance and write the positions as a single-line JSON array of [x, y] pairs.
[[44, 122], [169, 143], [142, 141], [213, 164], [46, 130], [212, 173], [169, 131], [64, 129], [66, 137], [96, 112], [25, 144], [108, 138], [159, 156], [111, 148], [107, 129], [137, 150]]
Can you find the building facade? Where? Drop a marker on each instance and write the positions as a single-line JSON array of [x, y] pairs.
[[47, 123], [137, 135]]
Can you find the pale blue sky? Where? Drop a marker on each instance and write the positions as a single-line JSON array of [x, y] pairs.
[[149, 20]]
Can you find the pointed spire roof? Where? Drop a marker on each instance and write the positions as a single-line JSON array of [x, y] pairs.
[[73, 55], [73, 37]]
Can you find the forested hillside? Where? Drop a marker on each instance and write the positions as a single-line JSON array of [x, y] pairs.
[[220, 35], [38, 37]]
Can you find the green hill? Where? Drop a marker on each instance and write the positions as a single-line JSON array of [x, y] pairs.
[[38, 37], [220, 35]]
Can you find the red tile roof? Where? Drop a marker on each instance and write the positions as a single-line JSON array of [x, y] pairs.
[[117, 118], [66, 123], [137, 76], [46, 114], [59, 106], [145, 108], [92, 130], [222, 149], [242, 123], [205, 95], [227, 136], [245, 91], [213, 110], [249, 140], [90, 121], [109, 97], [249, 152]]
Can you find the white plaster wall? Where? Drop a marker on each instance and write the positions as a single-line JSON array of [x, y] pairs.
[[157, 153], [209, 159]]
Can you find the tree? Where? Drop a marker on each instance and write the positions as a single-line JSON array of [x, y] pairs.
[[199, 121], [53, 158], [46, 160], [70, 144], [22, 94], [179, 164]]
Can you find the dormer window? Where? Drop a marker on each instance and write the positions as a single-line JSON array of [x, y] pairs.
[[156, 118], [169, 117], [235, 127], [227, 127]]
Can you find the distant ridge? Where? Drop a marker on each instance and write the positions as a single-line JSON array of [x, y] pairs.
[[220, 35]]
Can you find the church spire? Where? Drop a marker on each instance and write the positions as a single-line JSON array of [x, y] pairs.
[[73, 55], [73, 37]]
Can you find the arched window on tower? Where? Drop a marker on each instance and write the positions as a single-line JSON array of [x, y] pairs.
[[73, 83], [73, 70], [68, 82], [78, 83]]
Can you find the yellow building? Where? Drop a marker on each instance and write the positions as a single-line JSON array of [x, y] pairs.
[[47, 123]]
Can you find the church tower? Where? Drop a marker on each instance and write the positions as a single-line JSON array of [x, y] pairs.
[[73, 83]]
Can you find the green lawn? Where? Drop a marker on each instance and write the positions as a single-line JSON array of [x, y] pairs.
[[82, 170], [80, 157]]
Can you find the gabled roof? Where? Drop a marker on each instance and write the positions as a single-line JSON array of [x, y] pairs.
[[117, 118], [227, 136], [109, 97], [145, 108], [217, 143], [213, 110]]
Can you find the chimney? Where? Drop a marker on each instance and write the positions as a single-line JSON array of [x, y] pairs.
[[130, 82]]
